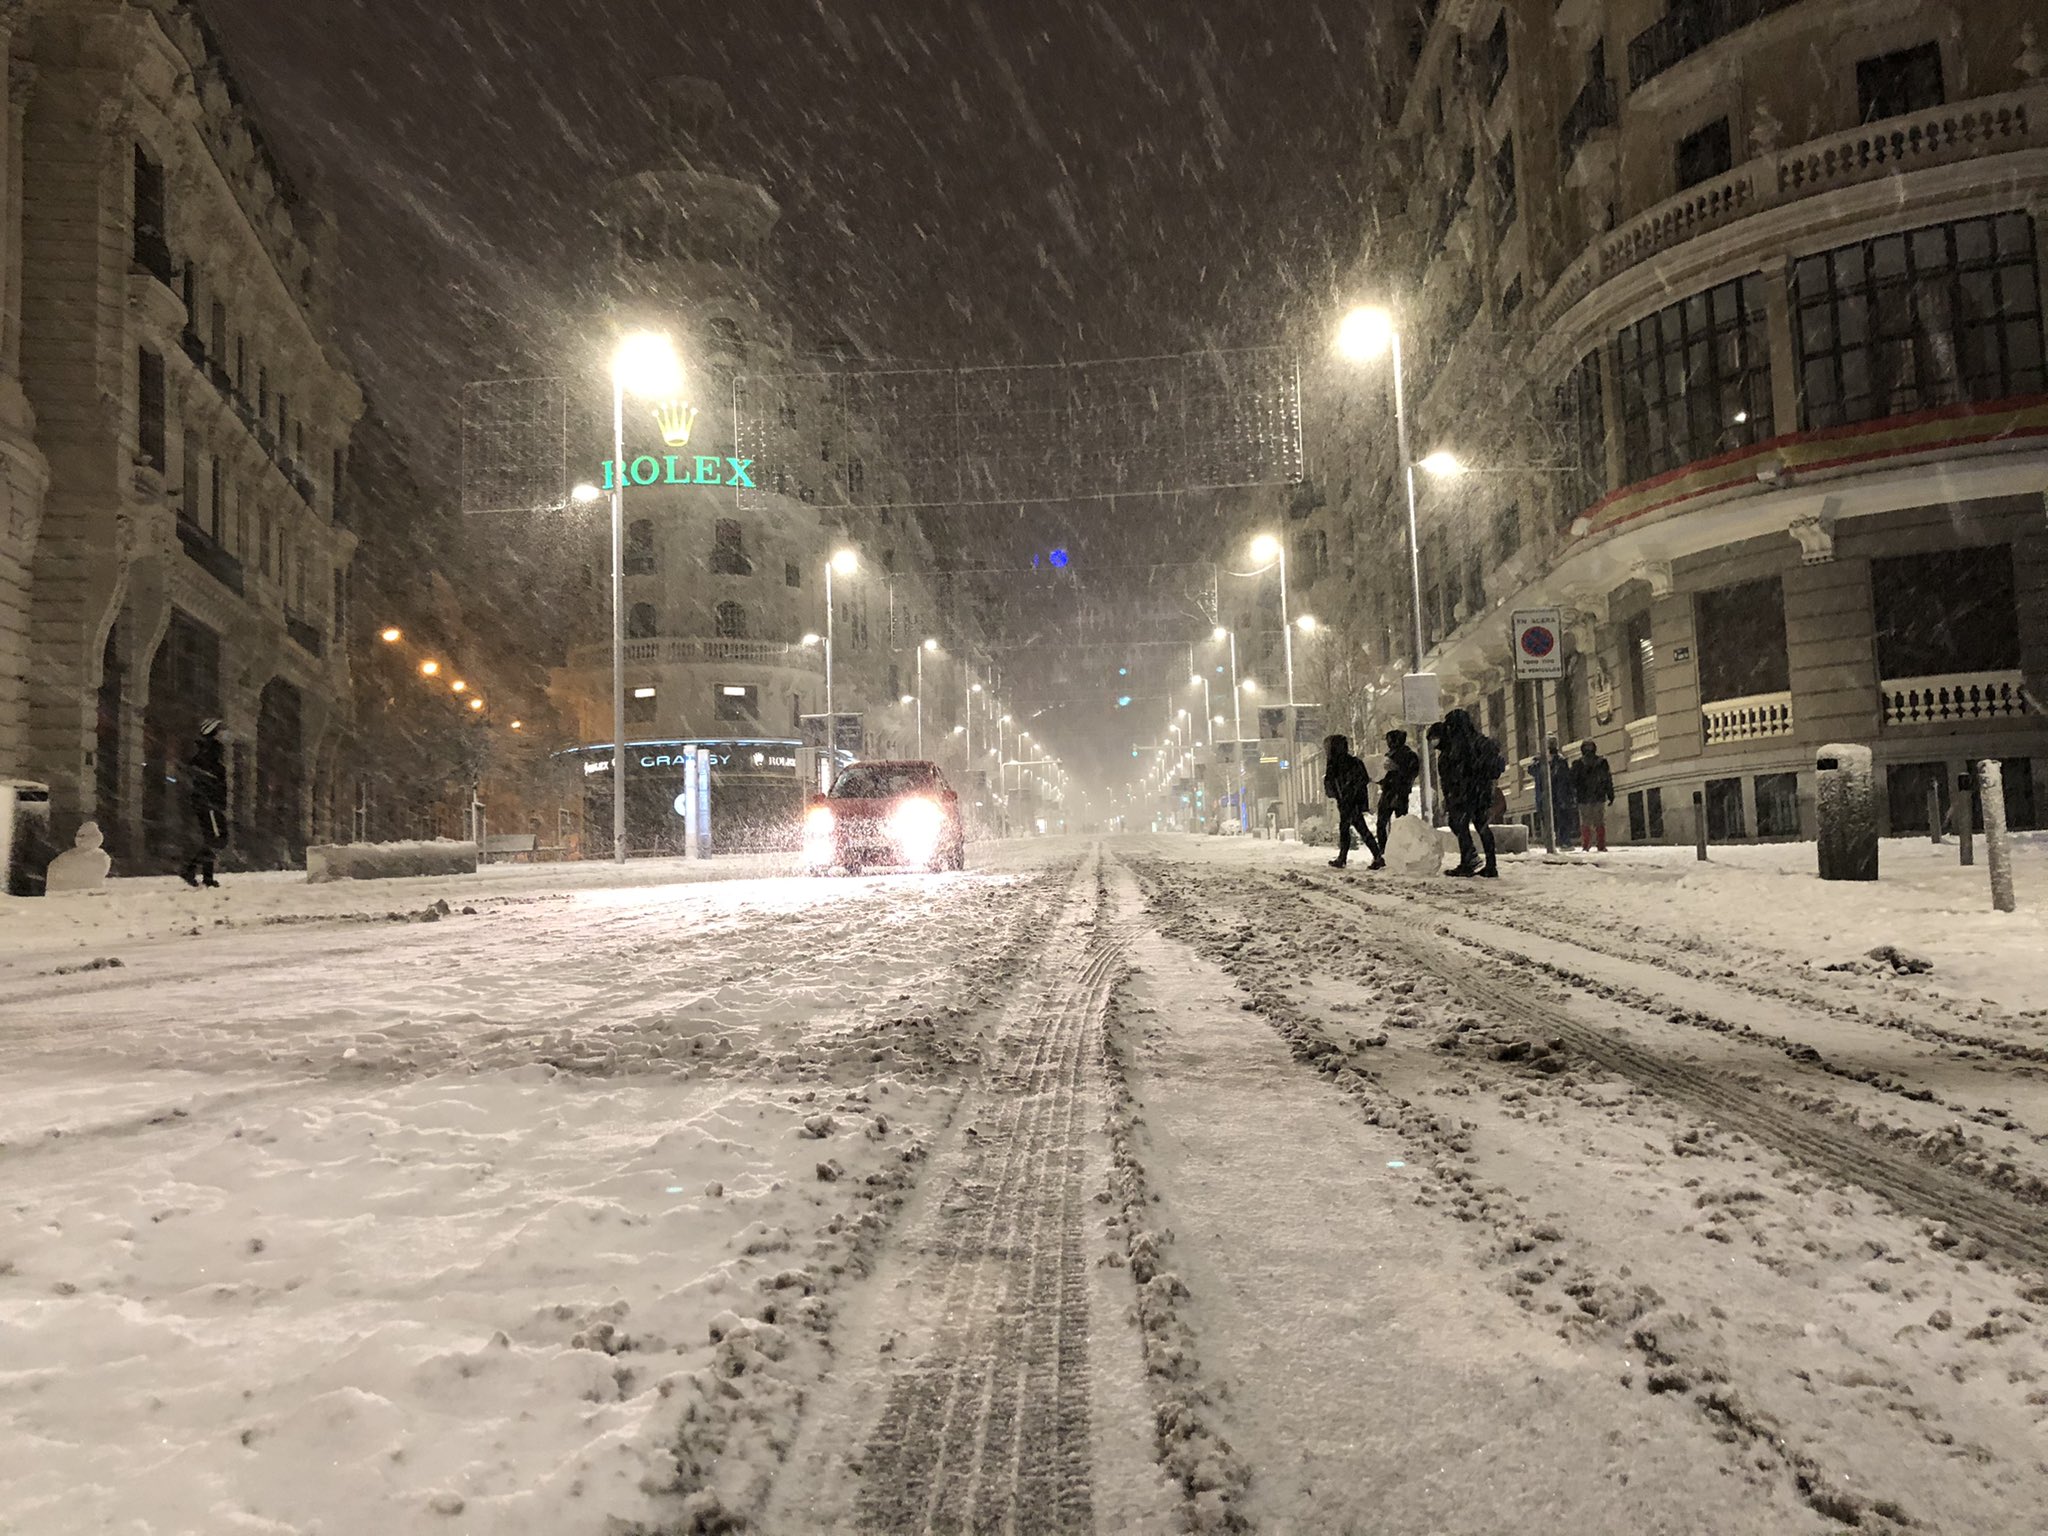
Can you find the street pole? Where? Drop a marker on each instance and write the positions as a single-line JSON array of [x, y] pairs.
[[1286, 629], [831, 723], [1414, 551], [920, 701], [1546, 789], [618, 619]]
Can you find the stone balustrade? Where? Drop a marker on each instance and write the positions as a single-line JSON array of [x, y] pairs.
[[1754, 717]]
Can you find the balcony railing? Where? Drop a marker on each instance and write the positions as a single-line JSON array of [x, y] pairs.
[[1956, 699], [1594, 110], [1696, 24], [210, 555], [1752, 718], [1968, 130], [678, 652]]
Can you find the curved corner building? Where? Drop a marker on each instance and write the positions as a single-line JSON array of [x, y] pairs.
[[1737, 305]]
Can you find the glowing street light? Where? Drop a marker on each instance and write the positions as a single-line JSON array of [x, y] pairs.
[[1442, 465], [476, 703], [584, 494], [1306, 623], [392, 635], [459, 686], [429, 668]]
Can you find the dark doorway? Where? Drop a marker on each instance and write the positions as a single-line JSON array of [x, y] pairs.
[[106, 759], [184, 689], [280, 775]]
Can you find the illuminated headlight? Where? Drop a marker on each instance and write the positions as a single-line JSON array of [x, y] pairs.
[[818, 841], [915, 827]]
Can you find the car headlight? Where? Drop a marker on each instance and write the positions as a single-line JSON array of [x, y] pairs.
[[915, 827], [818, 839]]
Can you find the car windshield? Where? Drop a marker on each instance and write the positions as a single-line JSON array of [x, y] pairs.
[[884, 781]]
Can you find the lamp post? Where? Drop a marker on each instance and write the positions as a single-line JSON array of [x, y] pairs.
[[1237, 719], [845, 562], [1270, 550], [929, 645], [1361, 337], [645, 365], [1199, 680]]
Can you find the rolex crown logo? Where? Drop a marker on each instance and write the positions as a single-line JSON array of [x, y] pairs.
[[675, 418]]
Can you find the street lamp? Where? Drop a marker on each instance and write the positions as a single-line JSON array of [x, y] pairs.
[[1443, 464], [1200, 680], [584, 494], [645, 365], [1362, 336], [392, 635], [929, 645], [1271, 551], [845, 562]]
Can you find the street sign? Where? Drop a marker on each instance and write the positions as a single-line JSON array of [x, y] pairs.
[[1308, 723], [1539, 643], [1422, 700]]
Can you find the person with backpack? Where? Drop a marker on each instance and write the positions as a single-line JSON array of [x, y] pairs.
[[1593, 785], [1470, 762], [1347, 783], [1397, 781], [206, 786]]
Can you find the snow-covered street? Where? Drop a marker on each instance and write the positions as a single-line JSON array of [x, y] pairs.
[[1128, 1186]]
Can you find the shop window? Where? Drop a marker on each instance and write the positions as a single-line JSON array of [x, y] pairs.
[[1694, 379], [640, 706], [1777, 805], [737, 703], [638, 555], [1893, 84], [1724, 811], [1740, 641], [1638, 819], [1948, 612], [641, 623], [728, 549], [1913, 321], [732, 621], [1703, 155]]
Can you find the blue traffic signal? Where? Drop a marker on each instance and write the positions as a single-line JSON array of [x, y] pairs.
[[1058, 559], [1123, 701]]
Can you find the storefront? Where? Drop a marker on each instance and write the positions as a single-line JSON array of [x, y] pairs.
[[753, 788]]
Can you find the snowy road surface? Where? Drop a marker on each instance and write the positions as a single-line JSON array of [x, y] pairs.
[[1130, 1187]]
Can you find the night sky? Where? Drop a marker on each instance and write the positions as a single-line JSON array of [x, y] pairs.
[[962, 180]]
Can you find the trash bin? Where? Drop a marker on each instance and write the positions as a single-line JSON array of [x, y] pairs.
[[25, 849], [1845, 804]]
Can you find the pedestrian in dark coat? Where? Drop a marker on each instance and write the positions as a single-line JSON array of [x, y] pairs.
[[1470, 762], [1564, 800], [1348, 784], [1593, 784], [1397, 781], [206, 787]]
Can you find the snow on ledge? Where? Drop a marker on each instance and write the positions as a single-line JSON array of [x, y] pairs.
[[389, 861]]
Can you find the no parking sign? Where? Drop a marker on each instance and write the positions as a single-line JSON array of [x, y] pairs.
[[1538, 651]]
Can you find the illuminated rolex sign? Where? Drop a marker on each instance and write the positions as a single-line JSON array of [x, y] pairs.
[[649, 470]]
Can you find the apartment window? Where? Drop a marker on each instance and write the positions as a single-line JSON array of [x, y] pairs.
[[1511, 300], [1777, 805], [1582, 417], [726, 333], [641, 623], [728, 549], [1639, 656], [1725, 823], [792, 574], [1694, 379], [1436, 109], [1908, 322], [265, 536], [1524, 744], [1571, 690], [638, 556], [242, 364], [262, 391], [640, 706], [1504, 182], [188, 503], [856, 478], [737, 703], [732, 621], [1703, 155], [895, 681], [219, 347], [149, 409], [1646, 816], [1494, 61], [1947, 612], [1893, 84], [216, 503], [1507, 532], [889, 560], [1739, 637], [1475, 584], [152, 231]]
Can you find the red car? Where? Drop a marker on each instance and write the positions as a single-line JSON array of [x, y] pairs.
[[900, 815]]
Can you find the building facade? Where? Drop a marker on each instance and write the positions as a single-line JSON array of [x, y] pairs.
[[1732, 310], [173, 426], [720, 593]]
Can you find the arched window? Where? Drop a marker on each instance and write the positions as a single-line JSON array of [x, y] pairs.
[[640, 622], [639, 553], [732, 621]]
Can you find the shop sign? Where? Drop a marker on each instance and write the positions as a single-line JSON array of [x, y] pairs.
[[708, 469]]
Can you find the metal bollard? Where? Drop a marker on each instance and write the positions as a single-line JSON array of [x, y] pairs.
[[1934, 811], [1997, 852], [1699, 824], [1966, 816]]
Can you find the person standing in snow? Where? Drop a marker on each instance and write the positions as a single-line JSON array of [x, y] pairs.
[[206, 781], [1347, 783], [1397, 782], [1470, 762], [1593, 784], [1564, 800]]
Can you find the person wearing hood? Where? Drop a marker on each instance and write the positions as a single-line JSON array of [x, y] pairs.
[[1593, 786], [1348, 783], [1397, 781], [1470, 762], [206, 785], [1564, 800]]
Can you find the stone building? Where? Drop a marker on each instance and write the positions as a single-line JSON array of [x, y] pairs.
[[1732, 311], [173, 423], [721, 592]]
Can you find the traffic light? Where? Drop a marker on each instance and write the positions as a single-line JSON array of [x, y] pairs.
[[1123, 701], [1058, 559]]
